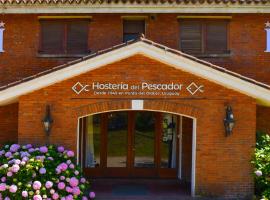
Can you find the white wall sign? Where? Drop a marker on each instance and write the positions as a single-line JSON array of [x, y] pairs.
[[2, 29], [143, 88], [267, 29]]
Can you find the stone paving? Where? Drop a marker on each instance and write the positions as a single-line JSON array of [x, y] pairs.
[[141, 189]]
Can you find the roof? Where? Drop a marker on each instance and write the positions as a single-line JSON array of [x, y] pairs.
[[133, 1], [134, 6], [261, 92]]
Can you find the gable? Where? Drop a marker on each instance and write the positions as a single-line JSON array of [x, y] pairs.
[[149, 49]]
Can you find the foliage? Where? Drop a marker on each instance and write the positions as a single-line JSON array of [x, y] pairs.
[[47, 172], [261, 162]]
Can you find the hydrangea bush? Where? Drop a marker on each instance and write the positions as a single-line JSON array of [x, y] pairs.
[[261, 162], [47, 172]]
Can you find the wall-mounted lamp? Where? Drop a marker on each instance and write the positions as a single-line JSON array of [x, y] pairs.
[[47, 121], [229, 121]]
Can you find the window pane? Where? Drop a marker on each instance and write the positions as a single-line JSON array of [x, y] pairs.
[[216, 37], [144, 140], [93, 138], [132, 29], [77, 37], [117, 139], [131, 36], [191, 37], [52, 34], [169, 141]]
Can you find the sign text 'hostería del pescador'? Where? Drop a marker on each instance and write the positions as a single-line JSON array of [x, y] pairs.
[[141, 89]]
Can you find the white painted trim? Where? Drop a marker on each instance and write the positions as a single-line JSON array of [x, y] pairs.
[[179, 62], [180, 147], [134, 8], [194, 130], [78, 141], [193, 167], [137, 104]]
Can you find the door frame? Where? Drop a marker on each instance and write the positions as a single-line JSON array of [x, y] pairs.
[[194, 139]]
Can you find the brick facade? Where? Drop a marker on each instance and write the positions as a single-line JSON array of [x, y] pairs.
[[9, 123], [222, 163], [247, 41]]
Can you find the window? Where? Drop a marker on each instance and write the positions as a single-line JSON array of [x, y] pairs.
[[64, 37], [133, 29], [204, 37]]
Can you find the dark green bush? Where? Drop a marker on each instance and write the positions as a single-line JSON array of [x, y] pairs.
[[261, 162]]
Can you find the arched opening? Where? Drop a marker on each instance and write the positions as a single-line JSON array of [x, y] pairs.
[[138, 144]]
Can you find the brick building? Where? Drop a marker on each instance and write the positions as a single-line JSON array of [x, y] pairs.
[[154, 89]]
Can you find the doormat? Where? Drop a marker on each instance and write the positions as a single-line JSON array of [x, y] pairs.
[[130, 190]]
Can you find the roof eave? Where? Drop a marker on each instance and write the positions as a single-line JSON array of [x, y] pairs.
[[55, 8]]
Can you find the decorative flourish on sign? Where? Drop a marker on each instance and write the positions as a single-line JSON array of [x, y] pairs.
[[193, 88], [267, 29], [2, 29]]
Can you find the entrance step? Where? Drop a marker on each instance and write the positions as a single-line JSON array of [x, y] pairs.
[[140, 189]]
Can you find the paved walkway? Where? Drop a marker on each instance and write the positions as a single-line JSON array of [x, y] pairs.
[[140, 189]]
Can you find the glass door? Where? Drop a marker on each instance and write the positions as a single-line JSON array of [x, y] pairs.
[[130, 144], [144, 139]]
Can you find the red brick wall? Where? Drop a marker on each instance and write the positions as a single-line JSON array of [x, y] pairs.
[[263, 119], [9, 123], [222, 163], [247, 43], [186, 148]]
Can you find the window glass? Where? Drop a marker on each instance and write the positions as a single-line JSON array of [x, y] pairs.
[[117, 139], [132, 29], [169, 141], [93, 139], [64, 36], [203, 37]]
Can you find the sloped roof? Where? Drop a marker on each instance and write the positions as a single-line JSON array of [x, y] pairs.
[[133, 1], [258, 90]]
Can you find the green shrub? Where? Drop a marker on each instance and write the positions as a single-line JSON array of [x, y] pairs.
[[37, 173], [261, 162]]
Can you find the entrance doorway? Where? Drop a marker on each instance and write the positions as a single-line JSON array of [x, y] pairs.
[[130, 144]]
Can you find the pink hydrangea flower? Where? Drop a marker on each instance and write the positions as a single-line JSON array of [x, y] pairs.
[[60, 149], [13, 188], [37, 197], [3, 187], [70, 154], [71, 166], [36, 185], [9, 174], [62, 178], [76, 191], [42, 171], [76, 173], [3, 179], [55, 196], [73, 182], [92, 195], [61, 185], [83, 180], [25, 194], [84, 198], [63, 166], [69, 189], [15, 168], [57, 170], [43, 149], [48, 184], [258, 173], [69, 197]]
